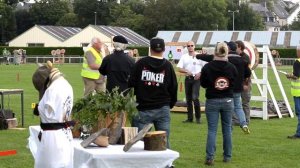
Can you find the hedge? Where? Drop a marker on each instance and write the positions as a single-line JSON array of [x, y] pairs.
[[286, 52], [45, 50], [143, 51]]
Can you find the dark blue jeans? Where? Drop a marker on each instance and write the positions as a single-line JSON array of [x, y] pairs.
[[213, 108], [192, 88], [297, 111], [159, 117]]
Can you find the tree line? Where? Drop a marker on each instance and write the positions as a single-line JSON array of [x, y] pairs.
[[145, 17]]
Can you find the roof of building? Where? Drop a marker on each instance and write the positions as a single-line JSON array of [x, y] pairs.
[[210, 38], [258, 7], [59, 32], [132, 37], [294, 8], [272, 24], [280, 11]]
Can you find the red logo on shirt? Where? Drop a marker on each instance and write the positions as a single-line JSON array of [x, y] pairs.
[[221, 83]]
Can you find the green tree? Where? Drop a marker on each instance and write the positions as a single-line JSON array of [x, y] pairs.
[[48, 12], [137, 6], [162, 15], [85, 9], [11, 2], [123, 16], [23, 21], [203, 15], [69, 19], [8, 23], [296, 23], [246, 19]]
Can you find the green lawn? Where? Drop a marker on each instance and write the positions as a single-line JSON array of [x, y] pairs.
[[265, 147]]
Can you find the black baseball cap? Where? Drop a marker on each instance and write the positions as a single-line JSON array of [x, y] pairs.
[[231, 45], [157, 44]]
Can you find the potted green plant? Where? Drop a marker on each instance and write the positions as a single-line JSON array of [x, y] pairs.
[[94, 108]]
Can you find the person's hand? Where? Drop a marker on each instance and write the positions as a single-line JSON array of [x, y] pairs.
[[197, 76]]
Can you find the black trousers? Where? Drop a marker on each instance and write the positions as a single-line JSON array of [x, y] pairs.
[[192, 89]]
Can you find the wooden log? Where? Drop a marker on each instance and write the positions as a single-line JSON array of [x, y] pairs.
[[138, 137], [92, 137], [128, 133], [101, 141], [115, 128], [12, 122], [155, 141]]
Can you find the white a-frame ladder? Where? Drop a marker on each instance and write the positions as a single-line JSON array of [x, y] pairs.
[[265, 88]]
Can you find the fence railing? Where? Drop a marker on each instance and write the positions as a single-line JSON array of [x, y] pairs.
[[79, 59], [66, 59]]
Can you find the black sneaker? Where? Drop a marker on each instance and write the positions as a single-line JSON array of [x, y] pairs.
[[209, 162], [226, 160], [293, 137], [198, 121], [187, 121]]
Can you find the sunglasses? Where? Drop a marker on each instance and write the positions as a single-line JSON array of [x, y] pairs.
[[190, 45]]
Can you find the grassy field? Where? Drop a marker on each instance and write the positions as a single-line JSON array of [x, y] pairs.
[[266, 146]]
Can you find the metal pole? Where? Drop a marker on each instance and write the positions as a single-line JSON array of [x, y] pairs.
[[95, 18], [230, 11], [233, 20]]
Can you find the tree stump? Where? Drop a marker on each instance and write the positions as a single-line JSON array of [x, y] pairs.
[[138, 137], [12, 122], [155, 141], [128, 133]]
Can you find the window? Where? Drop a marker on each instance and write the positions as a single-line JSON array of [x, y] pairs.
[[36, 44]]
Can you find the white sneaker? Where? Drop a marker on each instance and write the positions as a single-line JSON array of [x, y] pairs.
[[246, 129]]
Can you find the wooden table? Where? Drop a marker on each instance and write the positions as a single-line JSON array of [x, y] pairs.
[[10, 92]]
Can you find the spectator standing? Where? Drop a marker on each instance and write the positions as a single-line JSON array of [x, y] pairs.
[[244, 73], [130, 53], [247, 84], [155, 86], [295, 91], [191, 67], [92, 60], [218, 78], [117, 66], [136, 53]]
